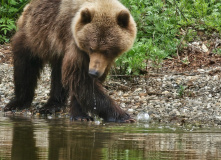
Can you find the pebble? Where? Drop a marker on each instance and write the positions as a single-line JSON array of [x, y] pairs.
[[130, 110]]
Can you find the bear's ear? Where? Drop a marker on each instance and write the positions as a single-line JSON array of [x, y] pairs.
[[86, 16], [123, 19]]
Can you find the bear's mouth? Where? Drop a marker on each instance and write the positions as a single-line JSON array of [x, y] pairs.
[[94, 74], [97, 65]]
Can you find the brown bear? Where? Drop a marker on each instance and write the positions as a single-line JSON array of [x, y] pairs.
[[80, 39]]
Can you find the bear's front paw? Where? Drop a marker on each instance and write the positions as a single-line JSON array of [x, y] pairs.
[[15, 104], [130, 120], [50, 109], [9, 107], [125, 118]]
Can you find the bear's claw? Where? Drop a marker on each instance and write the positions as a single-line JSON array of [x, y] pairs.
[[130, 120], [125, 118], [49, 109]]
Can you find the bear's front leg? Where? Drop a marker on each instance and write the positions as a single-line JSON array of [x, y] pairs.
[[58, 94], [107, 109], [26, 73], [96, 101], [76, 111]]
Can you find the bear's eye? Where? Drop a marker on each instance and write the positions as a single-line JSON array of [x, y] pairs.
[[106, 52]]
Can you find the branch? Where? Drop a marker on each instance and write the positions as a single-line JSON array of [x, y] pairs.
[[178, 47], [180, 11]]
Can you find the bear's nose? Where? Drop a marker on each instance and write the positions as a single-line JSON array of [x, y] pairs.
[[93, 73]]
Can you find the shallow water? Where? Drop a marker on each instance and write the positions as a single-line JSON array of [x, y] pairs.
[[60, 139]]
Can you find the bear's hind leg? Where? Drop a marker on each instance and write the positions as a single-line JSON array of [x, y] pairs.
[[26, 72], [58, 94], [76, 112]]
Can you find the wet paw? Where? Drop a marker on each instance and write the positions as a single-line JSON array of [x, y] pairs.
[[121, 119], [47, 110], [50, 109], [130, 120], [14, 104], [9, 107], [127, 119]]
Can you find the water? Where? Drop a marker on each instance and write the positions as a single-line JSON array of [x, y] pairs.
[[25, 138], [95, 101]]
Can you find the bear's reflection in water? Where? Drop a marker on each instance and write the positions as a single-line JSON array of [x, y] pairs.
[[60, 138], [57, 140]]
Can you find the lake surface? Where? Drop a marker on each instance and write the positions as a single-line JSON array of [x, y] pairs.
[[25, 138]]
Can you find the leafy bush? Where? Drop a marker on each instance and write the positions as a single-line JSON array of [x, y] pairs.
[[160, 24], [9, 11]]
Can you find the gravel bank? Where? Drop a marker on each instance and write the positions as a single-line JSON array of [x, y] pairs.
[[180, 98]]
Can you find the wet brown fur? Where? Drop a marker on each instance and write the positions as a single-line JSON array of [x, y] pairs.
[[80, 36]]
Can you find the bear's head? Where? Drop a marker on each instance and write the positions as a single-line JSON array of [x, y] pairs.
[[103, 30]]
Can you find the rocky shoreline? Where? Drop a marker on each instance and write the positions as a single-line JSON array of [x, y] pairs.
[[181, 98], [185, 98]]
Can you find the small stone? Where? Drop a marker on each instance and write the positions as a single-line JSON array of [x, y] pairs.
[[120, 93], [165, 92], [136, 97], [135, 107], [201, 70], [123, 105], [138, 89], [130, 110], [47, 91], [125, 95], [204, 48], [218, 117], [143, 94]]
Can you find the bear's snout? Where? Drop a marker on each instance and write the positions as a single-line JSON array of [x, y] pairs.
[[94, 73], [97, 65]]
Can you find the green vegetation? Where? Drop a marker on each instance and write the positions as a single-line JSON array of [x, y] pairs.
[[163, 26], [9, 12], [181, 90]]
